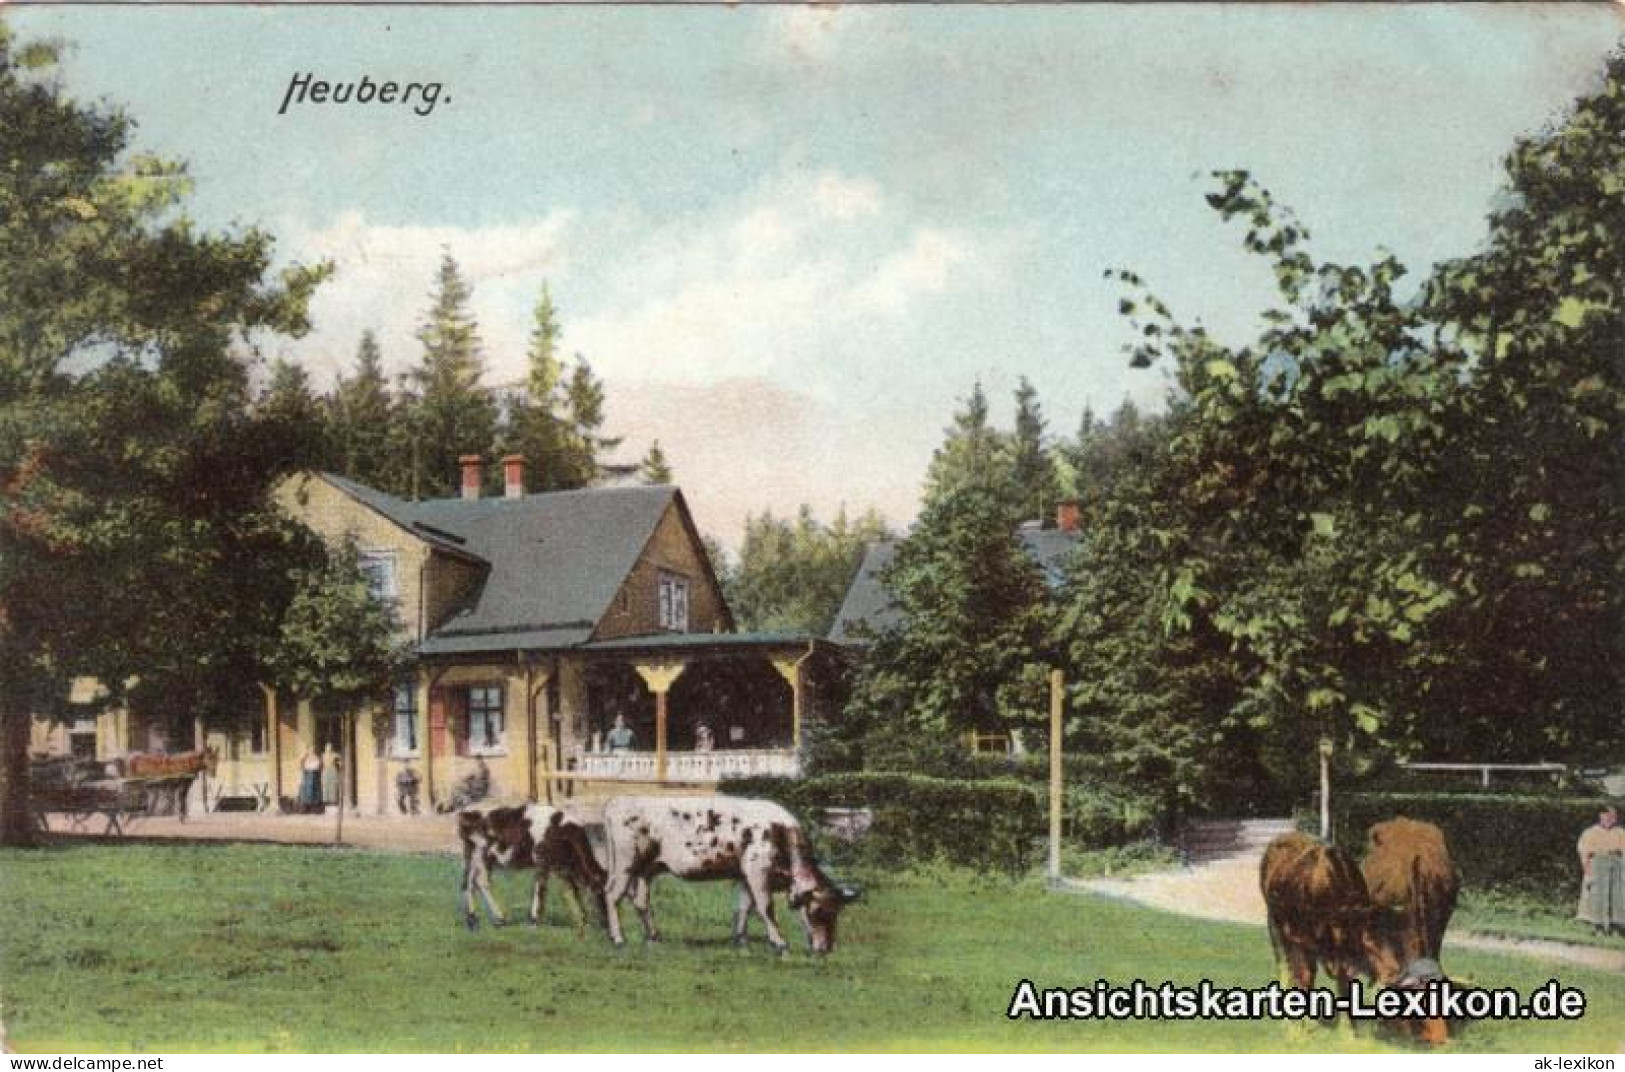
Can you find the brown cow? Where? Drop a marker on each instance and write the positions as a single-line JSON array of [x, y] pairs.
[[1318, 909], [1413, 886], [534, 836]]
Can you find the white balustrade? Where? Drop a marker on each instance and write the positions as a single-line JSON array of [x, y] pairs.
[[692, 766]]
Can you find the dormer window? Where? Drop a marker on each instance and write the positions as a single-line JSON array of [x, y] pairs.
[[673, 602]]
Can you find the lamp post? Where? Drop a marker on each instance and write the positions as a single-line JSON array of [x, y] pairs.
[[1326, 789]]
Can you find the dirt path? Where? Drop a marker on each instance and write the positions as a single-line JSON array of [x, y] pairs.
[[1227, 890], [420, 833]]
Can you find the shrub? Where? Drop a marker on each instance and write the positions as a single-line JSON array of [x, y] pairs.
[[1501, 841], [985, 825]]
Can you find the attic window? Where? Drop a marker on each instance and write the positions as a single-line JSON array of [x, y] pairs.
[[379, 569], [673, 602]]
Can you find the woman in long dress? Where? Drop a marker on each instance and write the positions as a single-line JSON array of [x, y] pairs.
[[1602, 864], [310, 782], [330, 777]]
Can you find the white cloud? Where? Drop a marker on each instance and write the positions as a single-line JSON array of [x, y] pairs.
[[811, 33], [384, 274], [774, 285], [842, 198], [925, 267]]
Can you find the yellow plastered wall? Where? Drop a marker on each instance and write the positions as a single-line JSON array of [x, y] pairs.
[[429, 585], [510, 765]]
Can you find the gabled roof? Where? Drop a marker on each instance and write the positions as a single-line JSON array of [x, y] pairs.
[[556, 560], [868, 605]]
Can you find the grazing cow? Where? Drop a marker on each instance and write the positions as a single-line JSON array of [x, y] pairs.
[[535, 836], [1318, 908], [754, 842], [1413, 885]]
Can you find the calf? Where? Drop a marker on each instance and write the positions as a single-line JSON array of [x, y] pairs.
[[753, 842], [536, 836]]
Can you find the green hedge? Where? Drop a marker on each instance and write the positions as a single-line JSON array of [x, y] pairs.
[[1108, 817], [1511, 842], [986, 825]]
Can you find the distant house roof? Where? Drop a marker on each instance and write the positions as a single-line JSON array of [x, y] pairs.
[[868, 607], [556, 560], [1049, 548]]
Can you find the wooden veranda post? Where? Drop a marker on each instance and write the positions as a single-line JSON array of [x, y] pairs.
[[1055, 745], [660, 677], [343, 750], [790, 670]]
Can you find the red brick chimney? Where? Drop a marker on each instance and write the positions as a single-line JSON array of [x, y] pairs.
[[1068, 515], [471, 464], [513, 476]]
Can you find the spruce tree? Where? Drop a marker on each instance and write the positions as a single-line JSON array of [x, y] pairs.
[[974, 454], [584, 415], [288, 401], [1033, 473], [360, 416], [654, 469], [452, 413], [533, 424]]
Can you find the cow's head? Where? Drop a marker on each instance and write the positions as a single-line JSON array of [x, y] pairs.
[[820, 907], [1421, 974]]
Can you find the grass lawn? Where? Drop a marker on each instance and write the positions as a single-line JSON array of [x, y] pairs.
[[143, 947], [1516, 914]]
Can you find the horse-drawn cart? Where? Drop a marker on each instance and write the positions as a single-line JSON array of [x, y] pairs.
[[82, 790]]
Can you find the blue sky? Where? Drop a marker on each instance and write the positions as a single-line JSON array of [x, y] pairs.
[[790, 238]]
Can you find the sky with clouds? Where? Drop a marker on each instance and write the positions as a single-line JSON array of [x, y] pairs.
[[791, 238]]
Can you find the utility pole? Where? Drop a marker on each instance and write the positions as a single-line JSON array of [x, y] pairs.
[[1055, 693]]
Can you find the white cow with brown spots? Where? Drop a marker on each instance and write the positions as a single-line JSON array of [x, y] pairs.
[[753, 842]]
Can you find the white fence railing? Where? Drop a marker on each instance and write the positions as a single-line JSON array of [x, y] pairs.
[[693, 766]]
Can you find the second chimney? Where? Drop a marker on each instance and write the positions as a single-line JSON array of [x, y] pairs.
[[471, 464], [1068, 515], [513, 476]]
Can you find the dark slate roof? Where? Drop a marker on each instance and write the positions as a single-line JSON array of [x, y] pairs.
[[868, 602], [555, 560], [1049, 548]]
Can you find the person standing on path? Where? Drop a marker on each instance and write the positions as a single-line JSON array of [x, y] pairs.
[[1602, 866], [310, 782]]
